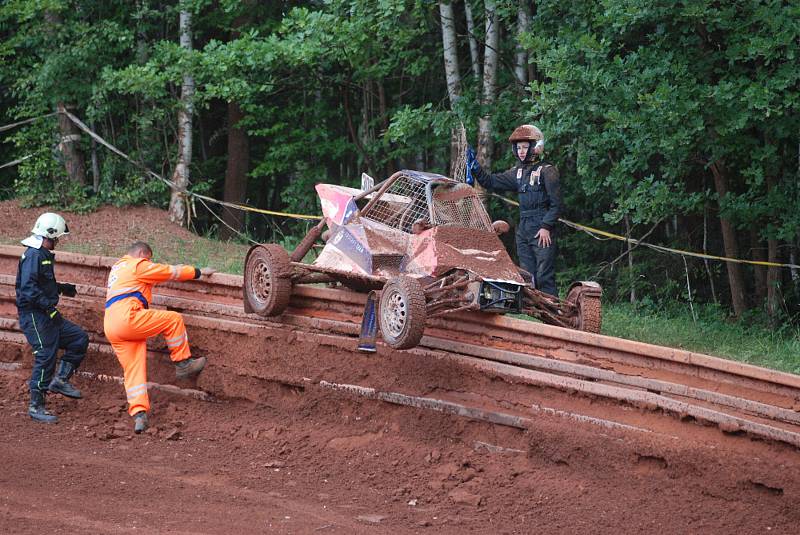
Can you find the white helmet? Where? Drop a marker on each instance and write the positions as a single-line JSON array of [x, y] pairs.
[[51, 226]]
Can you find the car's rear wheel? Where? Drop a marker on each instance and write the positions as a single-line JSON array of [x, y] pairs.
[[402, 312], [267, 280]]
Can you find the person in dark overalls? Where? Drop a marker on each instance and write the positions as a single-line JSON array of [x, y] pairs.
[[45, 328], [537, 184]]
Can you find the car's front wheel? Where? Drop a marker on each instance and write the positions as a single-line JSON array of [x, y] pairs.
[[402, 312]]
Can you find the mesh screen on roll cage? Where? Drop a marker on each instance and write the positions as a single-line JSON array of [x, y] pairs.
[[405, 202]]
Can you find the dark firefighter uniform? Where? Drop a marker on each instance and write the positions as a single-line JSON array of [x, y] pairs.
[[44, 327], [539, 189]]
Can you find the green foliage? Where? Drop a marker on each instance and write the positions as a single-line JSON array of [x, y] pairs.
[[748, 341], [639, 102]]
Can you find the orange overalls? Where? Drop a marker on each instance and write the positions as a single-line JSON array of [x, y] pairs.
[[129, 321]]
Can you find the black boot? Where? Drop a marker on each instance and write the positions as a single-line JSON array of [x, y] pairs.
[[189, 367], [140, 423], [37, 411], [60, 382]]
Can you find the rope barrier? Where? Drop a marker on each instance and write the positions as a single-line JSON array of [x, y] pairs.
[[26, 121], [172, 184], [15, 162], [594, 232]]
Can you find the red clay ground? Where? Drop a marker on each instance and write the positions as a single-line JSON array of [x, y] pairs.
[[300, 460], [302, 463]]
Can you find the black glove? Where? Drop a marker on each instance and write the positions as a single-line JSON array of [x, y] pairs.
[[67, 289], [54, 314]]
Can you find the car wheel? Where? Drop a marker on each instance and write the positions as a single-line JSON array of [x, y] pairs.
[[402, 312], [590, 311], [267, 280]]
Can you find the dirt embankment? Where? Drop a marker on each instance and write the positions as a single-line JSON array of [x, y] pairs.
[[275, 455], [109, 230]]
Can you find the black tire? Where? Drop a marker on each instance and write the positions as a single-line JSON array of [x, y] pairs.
[[267, 280], [402, 312]]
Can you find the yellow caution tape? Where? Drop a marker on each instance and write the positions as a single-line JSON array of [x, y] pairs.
[[172, 184], [660, 248], [246, 208]]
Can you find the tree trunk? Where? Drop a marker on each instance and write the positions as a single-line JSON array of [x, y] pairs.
[[178, 212], [236, 170], [773, 281], [735, 278], [485, 141], [773, 273], [354, 135], [450, 53], [69, 145], [238, 162], [384, 115], [759, 272], [95, 164], [705, 248], [366, 116], [630, 259], [521, 63], [474, 53]]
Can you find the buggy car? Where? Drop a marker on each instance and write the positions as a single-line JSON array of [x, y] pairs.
[[424, 246]]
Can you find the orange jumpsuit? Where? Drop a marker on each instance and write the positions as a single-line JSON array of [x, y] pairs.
[[128, 321]]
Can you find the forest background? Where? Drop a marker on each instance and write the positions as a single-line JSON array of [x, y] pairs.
[[676, 121]]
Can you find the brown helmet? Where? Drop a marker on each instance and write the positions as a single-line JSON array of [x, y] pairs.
[[526, 132]]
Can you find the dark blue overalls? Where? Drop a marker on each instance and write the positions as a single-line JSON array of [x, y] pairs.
[[538, 187], [44, 327]]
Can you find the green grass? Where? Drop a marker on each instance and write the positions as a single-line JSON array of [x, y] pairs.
[[712, 334], [225, 257]]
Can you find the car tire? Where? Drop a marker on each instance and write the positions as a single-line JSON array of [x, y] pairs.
[[267, 280], [590, 311], [402, 312]]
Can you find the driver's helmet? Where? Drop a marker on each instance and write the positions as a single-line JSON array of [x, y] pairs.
[[527, 132]]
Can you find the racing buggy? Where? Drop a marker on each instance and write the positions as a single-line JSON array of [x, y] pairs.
[[422, 245]]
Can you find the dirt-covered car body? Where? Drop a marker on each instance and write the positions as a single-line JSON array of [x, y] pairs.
[[423, 246], [424, 225]]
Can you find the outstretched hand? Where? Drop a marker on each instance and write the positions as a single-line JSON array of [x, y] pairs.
[[207, 271]]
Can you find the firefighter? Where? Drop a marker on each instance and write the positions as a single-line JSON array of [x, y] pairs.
[[129, 322], [44, 327], [537, 184]]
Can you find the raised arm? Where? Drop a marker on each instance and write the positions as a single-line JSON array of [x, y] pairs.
[[152, 273], [505, 181]]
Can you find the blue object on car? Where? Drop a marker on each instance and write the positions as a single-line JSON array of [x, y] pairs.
[[369, 326]]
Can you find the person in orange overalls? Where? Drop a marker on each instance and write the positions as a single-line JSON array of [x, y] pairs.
[[129, 322]]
